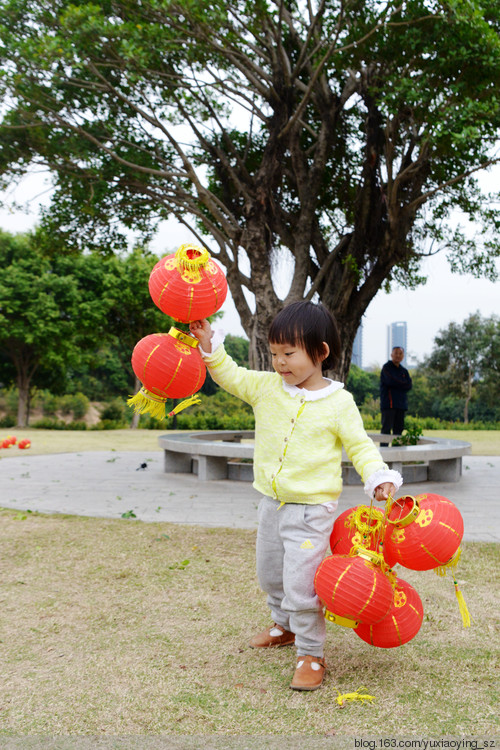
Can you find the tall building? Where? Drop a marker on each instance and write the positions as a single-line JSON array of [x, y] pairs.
[[357, 348], [397, 335]]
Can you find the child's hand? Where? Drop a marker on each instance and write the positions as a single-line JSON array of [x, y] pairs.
[[383, 491], [202, 330]]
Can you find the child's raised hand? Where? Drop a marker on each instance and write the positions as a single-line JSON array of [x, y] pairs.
[[383, 491], [202, 330]]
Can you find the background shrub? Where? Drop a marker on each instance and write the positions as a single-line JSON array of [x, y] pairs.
[[49, 423], [50, 403], [76, 404], [113, 411]]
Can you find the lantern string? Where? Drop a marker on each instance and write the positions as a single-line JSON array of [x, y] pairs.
[[356, 696], [450, 567], [382, 528], [462, 605]]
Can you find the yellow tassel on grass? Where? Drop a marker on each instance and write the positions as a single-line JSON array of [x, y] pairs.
[[357, 696], [462, 606], [146, 402], [191, 401]]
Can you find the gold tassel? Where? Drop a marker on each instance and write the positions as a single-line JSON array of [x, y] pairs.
[[357, 696], [191, 401], [452, 563], [462, 606], [192, 264], [375, 520], [145, 402]]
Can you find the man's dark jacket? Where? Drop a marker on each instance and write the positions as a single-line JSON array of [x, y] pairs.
[[395, 382]]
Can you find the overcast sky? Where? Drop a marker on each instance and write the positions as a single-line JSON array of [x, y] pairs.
[[445, 298]]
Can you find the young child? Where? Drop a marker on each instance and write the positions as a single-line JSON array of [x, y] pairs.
[[302, 420]]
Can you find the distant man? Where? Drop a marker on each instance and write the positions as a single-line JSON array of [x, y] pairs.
[[395, 382]]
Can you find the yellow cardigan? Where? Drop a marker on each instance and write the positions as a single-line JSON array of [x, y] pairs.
[[298, 442]]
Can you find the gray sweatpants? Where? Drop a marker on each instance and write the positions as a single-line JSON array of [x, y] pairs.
[[291, 543]]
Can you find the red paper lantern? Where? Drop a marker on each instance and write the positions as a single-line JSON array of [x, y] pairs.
[[401, 624], [9, 441], [353, 588], [169, 365], [23, 444], [361, 525], [422, 532], [188, 285]]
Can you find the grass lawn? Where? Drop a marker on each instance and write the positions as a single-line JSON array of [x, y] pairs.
[[115, 628], [118, 628], [70, 441], [484, 442]]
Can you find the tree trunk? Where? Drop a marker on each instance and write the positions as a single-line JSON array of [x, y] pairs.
[[468, 396], [258, 351], [134, 424], [22, 406]]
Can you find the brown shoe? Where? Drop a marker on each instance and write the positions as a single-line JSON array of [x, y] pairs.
[[309, 673], [273, 636]]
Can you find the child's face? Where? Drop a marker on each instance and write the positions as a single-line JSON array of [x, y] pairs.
[[296, 367]]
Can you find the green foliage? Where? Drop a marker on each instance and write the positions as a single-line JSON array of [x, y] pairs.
[[364, 386], [109, 424], [371, 422], [465, 362], [48, 423], [69, 323], [221, 411], [103, 373], [421, 398], [237, 348], [52, 309], [113, 411], [129, 514], [359, 132], [76, 404], [50, 403], [410, 436], [9, 398]]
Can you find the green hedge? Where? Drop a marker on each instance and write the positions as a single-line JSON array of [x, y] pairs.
[[47, 423], [221, 411], [373, 424]]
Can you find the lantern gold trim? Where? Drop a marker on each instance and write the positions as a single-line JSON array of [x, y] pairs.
[[409, 518], [346, 622], [184, 338]]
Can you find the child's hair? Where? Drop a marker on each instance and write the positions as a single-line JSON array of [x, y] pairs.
[[307, 325]]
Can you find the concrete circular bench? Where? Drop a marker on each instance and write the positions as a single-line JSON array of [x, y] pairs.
[[222, 455]]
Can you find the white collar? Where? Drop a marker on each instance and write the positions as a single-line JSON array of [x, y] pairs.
[[293, 390]]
